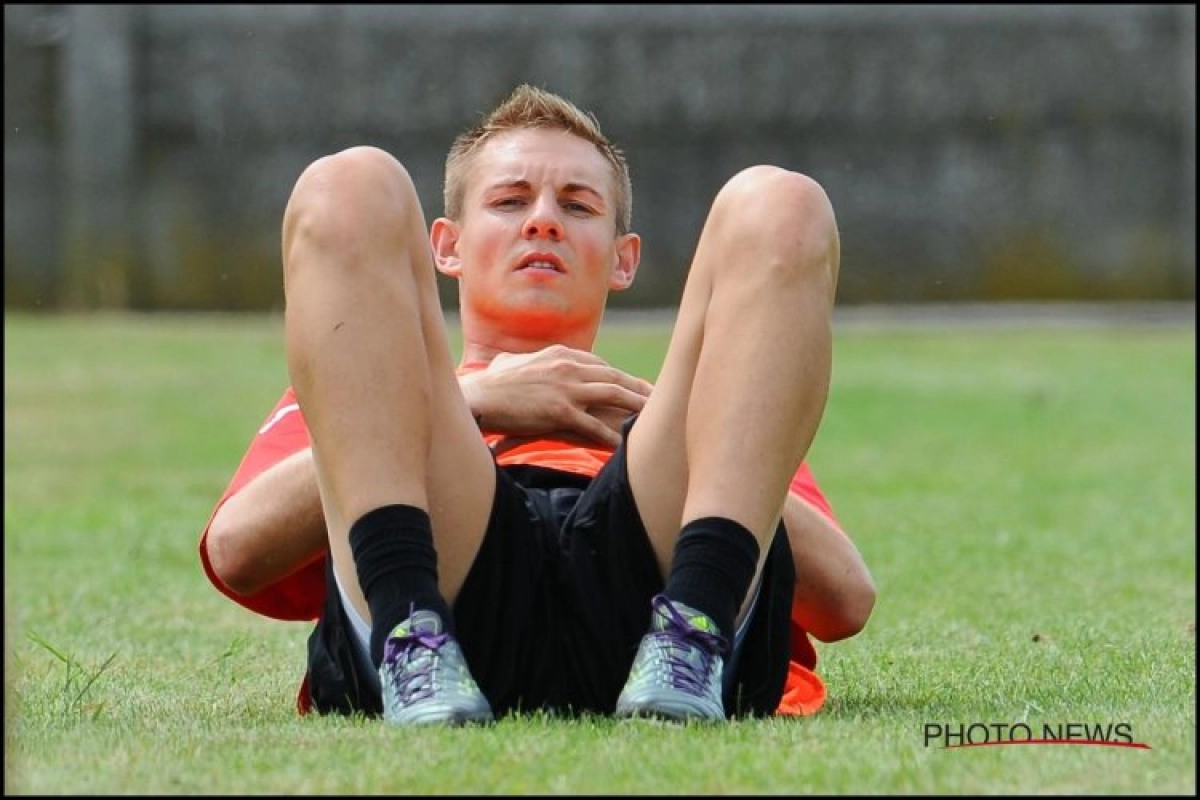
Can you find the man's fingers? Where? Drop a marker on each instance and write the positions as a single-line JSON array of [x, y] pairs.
[[607, 394], [595, 429], [602, 373]]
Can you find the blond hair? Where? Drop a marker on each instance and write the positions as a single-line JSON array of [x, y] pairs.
[[531, 107]]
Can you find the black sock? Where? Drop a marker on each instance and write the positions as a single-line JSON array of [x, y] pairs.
[[713, 565], [397, 569]]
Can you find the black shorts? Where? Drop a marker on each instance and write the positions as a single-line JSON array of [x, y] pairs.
[[552, 611]]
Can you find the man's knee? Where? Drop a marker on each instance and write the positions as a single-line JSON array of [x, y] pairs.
[[346, 202], [768, 208], [773, 195]]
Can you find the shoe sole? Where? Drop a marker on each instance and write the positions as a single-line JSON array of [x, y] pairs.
[[663, 709], [453, 720]]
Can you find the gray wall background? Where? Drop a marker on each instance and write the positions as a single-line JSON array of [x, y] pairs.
[[971, 152]]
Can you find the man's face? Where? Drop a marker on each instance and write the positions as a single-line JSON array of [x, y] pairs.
[[536, 245]]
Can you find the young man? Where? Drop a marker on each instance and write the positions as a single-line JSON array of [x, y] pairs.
[[605, 546]]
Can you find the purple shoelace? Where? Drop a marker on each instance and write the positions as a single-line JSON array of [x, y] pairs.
[[689, 650], [415, 658]]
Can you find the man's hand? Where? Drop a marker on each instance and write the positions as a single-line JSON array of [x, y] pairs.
[[555, 391]]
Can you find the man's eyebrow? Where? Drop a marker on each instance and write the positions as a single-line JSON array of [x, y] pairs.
[[570, 188], [517, 184], [582, 187]]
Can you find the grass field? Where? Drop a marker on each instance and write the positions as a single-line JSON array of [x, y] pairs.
[[1025, 498]]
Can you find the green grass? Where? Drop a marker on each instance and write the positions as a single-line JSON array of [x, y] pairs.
[[1025, 499]]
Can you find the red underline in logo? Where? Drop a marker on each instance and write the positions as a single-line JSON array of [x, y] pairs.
[[1093, 742]]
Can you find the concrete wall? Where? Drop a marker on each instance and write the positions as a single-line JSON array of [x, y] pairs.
[[971, 152]]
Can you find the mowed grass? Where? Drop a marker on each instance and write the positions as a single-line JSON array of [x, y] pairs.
[[1025, 499]]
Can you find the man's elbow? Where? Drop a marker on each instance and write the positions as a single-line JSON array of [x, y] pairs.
[[230, 563], [849, 615]]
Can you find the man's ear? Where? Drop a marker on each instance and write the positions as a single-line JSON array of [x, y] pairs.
[[629, 255], [443, 235]]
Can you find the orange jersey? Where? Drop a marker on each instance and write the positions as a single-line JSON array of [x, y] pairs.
[[300, 596]]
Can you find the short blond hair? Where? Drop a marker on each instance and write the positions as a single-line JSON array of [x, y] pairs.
[[531, 107]]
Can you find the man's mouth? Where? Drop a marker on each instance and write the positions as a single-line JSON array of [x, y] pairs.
[[541, 262]]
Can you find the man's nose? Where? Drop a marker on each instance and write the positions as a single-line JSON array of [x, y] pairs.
[[543, 221]]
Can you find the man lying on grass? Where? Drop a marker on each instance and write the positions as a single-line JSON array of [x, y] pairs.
[[532, 528]]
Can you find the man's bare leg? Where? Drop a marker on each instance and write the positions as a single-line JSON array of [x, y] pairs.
[[372, 369], [744, 384]]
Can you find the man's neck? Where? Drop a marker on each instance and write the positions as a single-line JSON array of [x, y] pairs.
[[483, 343]]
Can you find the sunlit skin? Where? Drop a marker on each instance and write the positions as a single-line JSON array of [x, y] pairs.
[[536, 250]]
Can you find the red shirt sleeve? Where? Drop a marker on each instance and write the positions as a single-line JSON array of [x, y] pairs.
[[805, 486], [300, 595]]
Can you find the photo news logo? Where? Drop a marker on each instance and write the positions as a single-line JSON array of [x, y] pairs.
[[952, 736]]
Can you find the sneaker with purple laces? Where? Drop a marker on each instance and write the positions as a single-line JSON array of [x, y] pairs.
[[676, 674], [425, 679]]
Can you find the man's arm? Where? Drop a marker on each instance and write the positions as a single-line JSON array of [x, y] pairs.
[[271, 527], [834, 589], [274, 524]]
